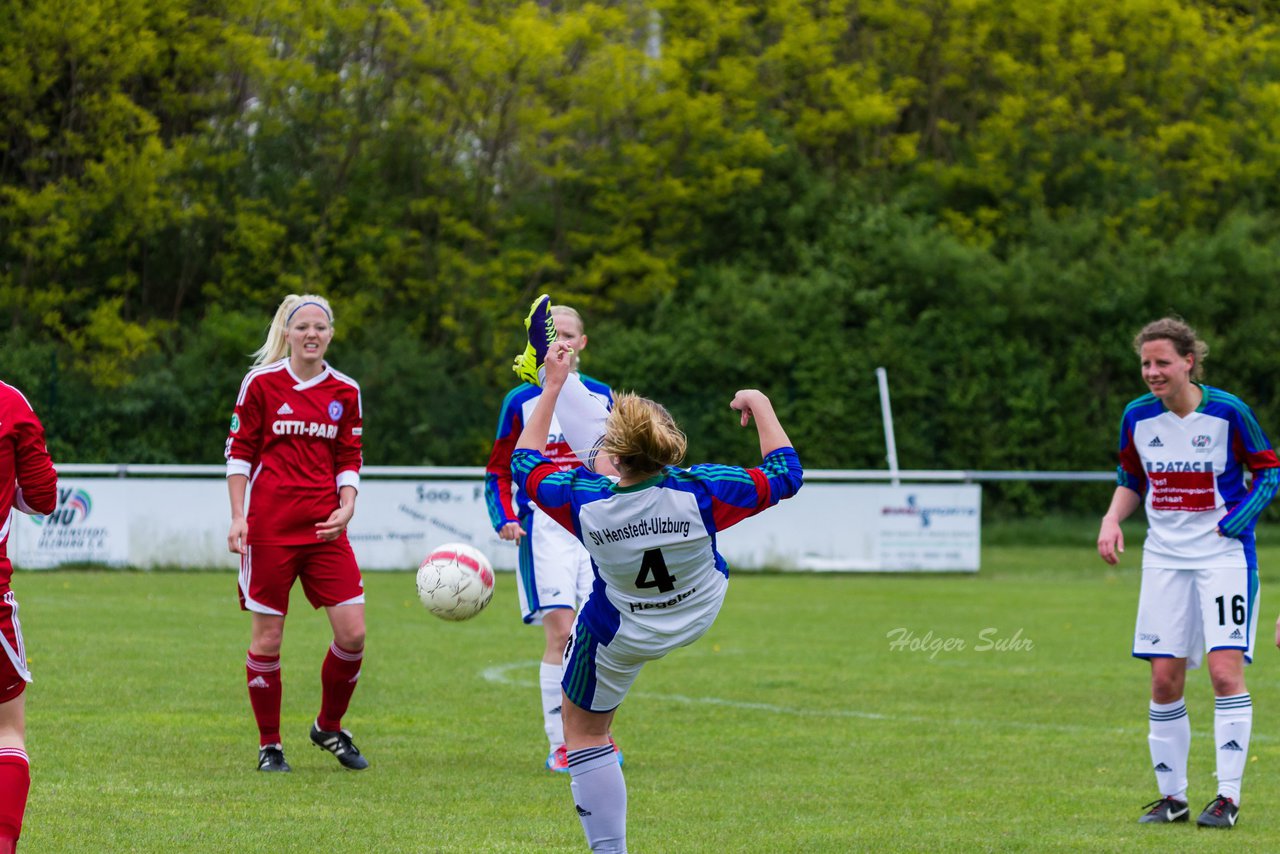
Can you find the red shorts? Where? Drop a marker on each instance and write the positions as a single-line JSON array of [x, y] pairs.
[[14, 674], [328, 573]]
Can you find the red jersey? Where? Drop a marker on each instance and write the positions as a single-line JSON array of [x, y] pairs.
[[27, 477], [298, 442]]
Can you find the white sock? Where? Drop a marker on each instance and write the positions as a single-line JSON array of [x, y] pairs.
[[581, 416], [1170, 742], [600, 796], [549, 676], [1232, 724]]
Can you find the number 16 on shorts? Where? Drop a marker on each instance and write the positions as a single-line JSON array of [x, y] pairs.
[[1184, 612]]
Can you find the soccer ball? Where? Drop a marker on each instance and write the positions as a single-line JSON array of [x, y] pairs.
[[455, 581]]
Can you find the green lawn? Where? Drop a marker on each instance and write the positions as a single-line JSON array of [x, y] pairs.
[[794, 726]]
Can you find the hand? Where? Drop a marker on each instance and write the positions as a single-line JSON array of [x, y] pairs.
[[1110, 540], [332, 528], [1278, 631], [557, 365], [511, 532], [237, 536], [744, 400]]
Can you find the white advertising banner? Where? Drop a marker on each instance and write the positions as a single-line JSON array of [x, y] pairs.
[[90, 525], [398, 522], [852, 527], [182, 522]]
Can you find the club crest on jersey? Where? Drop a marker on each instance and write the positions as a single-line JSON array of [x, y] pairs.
[[235, 422], [1201, 441], [335, 410]]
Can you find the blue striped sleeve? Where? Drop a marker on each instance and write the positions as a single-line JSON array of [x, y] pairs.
[[1246, 513]]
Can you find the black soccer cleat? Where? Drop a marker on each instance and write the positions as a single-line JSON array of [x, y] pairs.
[[1165, 810], [339, 744], [271, 758], [1221, 812]]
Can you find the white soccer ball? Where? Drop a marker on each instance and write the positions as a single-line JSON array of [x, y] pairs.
[[455, 581]]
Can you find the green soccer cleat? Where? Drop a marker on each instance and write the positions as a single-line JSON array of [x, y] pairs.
[[541, 329]]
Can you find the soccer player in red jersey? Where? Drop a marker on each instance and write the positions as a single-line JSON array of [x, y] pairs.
[[295, 439], [28, 483]]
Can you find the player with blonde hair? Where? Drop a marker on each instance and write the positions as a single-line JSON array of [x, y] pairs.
[[295, 450], [554, 576], [651, 532]]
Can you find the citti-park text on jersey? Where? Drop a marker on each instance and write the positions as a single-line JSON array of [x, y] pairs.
[[643, 528], [304, 428]]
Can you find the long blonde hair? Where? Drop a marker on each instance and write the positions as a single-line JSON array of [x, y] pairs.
[[276, 347], [642, 435]]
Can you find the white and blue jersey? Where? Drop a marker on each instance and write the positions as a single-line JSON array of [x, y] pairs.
[[553, 570], [1190, 472], [505, 503], [1199, 587], [659, 580]]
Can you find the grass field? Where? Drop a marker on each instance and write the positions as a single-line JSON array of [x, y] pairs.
[[794, 726]]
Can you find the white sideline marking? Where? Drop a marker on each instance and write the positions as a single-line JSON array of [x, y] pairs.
[[499, 674]]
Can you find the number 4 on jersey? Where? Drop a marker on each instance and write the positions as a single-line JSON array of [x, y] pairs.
[[653, 573]]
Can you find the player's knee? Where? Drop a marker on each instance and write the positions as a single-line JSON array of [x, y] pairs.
[[1166, 688], [267, 642], [556, 641], [12, 724], [350, 638], [558, 625], [1227, 684]]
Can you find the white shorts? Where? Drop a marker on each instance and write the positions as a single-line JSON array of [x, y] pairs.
[[598, 674], [554, 572], [1184, 612]]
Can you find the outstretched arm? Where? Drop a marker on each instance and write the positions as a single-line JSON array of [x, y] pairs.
[[753, 403]]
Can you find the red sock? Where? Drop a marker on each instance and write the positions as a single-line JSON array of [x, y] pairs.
[[338, 682], [265, 689], [15, 782]]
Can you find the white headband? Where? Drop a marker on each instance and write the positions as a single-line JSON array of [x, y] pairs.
[[308, 302]]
